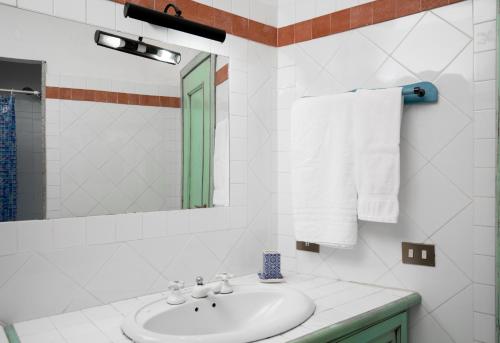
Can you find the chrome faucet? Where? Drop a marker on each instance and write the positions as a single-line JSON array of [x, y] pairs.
[[200, 290]]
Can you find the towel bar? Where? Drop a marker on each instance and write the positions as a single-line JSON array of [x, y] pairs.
[[421, 92], [418, 93]]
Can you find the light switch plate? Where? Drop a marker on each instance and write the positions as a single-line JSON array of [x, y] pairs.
[[419, 254], [305, 246]]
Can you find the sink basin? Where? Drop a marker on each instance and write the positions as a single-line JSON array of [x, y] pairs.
[[249, 314]]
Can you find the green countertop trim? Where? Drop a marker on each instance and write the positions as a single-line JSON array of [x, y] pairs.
[[12, 334], [362, 321]]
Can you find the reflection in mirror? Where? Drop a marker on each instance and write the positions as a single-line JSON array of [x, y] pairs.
[[111, 132]]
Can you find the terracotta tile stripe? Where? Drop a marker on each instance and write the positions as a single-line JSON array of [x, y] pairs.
[[351, 18], [286, 35], [222, 74], [361, 15], [111, 97], [321, 26], [340, 21], [384, 10]]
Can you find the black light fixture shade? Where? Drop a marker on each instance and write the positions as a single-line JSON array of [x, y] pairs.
[[138, 48], [174, 22]]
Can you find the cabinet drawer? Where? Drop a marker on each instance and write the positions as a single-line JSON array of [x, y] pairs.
[[393, 330]]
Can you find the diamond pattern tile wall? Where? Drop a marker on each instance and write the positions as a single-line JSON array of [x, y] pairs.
[[140, 253], [115, 155], [437, 161]]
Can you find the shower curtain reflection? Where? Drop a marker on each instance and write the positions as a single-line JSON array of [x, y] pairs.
[[8, 159]]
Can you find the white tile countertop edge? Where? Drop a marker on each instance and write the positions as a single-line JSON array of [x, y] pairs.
[[335, 300]]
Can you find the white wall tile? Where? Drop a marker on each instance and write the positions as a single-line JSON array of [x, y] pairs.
[[101, 13], [129, 227], [35, 236], [238, 127], [485, 153], [9, 2], [484, 269], [241, 7], [127, 25], [33, 327], [484, 241], [238, 150], [177, 222], [286, 12], [484, 211], [484, 10], [484, 95], [69, 232], [100, 230], [484, 326], [485, 125], [154, 224], [224, 5], [238, 195], [485, 36], [238, 172], [485, 65], [484, 182], [8, 238], [70, 9], [44, 6], [484, 299], [286, 77], [237, 217]]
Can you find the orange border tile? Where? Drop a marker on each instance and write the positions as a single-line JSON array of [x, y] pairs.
[[77, 94], [351, 18], [303, 31], [222, 74], [361, 15], [340, 21], [321, 26]]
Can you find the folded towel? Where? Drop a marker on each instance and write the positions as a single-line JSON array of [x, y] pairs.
[[377, 126], [322, 162]]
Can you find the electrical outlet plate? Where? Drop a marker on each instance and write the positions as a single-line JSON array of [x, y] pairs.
[[419, 254], [305, 246]]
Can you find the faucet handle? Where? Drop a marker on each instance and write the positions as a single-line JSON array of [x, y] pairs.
[[199, 281], [175, 285], [225, 287], [224, 276], [175, 297]]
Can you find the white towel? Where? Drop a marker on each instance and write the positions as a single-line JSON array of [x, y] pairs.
[[221, 163], [377, 126], [322, 163]]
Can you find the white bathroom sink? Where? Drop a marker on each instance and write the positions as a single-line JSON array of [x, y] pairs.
[[249, 314]]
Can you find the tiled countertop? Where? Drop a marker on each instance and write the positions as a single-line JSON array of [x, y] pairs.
[[336, 301]]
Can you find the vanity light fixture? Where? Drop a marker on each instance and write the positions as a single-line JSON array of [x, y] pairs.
[[175, 22], [136, 47]]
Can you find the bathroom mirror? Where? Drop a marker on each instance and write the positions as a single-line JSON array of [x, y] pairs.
[[87, 130]]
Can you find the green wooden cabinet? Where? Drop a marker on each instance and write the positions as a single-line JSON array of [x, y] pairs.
[[386, 324], [393, 330]]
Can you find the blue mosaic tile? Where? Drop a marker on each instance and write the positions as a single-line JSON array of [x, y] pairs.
[[8, 159]]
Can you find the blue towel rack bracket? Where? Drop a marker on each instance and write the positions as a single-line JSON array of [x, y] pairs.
[[420, 93]]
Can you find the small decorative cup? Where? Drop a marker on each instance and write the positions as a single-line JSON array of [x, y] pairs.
[[271, 268]]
